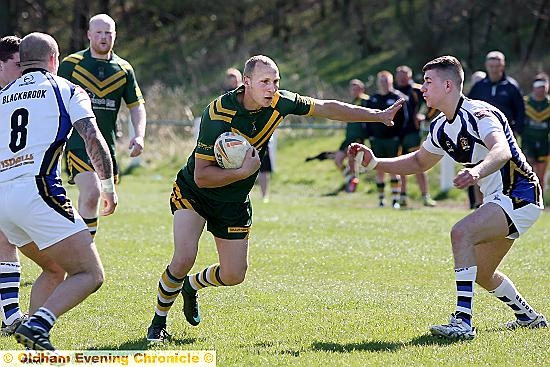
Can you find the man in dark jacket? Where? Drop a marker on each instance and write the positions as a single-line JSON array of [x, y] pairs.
[[500, 90]]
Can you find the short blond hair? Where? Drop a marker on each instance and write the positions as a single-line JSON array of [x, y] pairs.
[[250, 64], [357, 82], [36, 48]]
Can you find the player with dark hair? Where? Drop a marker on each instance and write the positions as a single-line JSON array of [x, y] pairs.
[[477, 135], [10, 267], [9, 60]]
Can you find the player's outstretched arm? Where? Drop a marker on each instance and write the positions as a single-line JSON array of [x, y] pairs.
[[97, 150], [408, 164], [342, 111]]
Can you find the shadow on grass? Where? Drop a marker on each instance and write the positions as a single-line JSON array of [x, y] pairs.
[[270, 347], [142, 344], [379, 345]]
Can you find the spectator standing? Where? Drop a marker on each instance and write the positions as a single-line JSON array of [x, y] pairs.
[[500, 90]]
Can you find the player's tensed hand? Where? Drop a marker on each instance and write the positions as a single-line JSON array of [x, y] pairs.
[[110, 201]]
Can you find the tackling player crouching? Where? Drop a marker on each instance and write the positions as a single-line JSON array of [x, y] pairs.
[[478, 136]]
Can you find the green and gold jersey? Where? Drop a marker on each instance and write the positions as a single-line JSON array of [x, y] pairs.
[[537, 115], [227, 114], [107, 82]]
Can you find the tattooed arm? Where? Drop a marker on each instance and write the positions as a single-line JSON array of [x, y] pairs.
[[96, 147], [99, 154]]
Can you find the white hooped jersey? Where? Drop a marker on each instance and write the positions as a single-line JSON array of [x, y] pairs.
[[37, 112], [462, 139]]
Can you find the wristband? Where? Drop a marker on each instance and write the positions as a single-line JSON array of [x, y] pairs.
[[108, 185], [372, 164]]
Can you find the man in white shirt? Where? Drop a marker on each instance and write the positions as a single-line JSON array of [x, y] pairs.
[[39, 110], [477, 135]]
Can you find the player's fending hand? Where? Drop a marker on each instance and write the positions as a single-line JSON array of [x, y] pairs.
[[388, 114], [110, 201], [369, 160]]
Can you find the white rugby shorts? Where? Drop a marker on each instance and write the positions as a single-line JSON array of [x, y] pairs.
[[37, 210], [523, 218]]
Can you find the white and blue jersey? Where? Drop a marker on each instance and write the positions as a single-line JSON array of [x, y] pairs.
[[462, 139], [37, 112]]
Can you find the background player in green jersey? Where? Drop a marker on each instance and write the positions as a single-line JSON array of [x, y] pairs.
[[205, 194], [108, 79], [355, 133], [536, 130]]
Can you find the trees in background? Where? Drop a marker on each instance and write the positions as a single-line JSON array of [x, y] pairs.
[[180, 41]]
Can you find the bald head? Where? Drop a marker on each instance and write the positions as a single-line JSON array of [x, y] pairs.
[[101, 19], [102, 35], [39, 50]]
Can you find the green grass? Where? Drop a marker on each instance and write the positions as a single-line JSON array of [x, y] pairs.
[[333, 280]]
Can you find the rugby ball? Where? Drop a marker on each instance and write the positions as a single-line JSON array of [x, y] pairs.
[[230, 149]]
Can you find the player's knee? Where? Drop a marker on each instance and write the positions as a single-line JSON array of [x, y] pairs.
[[459, 234], [234, 276], [181, 265], [98, 277], [91, 197], [54, 274], [50, 268]]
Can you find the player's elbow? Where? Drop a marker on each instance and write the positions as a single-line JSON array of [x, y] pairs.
[[201, 180], [507, 155], [504, 153]]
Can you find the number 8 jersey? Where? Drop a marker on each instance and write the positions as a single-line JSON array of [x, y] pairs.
[[37, 112]]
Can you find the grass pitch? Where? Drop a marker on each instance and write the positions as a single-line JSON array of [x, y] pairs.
[[333, 280]]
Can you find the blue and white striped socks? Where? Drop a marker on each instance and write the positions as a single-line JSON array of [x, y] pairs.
[[465, 279], [10, 277], [507, 293]]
